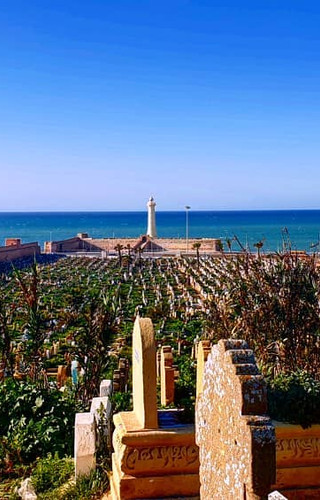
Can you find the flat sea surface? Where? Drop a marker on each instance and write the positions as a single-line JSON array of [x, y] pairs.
[[271, 226]]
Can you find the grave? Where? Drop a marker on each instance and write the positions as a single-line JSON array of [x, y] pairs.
[[84, 443], [167, 376], [235, 437], [155, 455], [204, 348]]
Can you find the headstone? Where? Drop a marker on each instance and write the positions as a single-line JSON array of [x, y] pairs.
[[151, 461], [62, 375], [144, 379], [158, 358], [124, 373], [235, 437], [101, 408], [116, 380], [203, 352], [100, 404], [275, 495], [84, 443], [167, 376], [105, 388]]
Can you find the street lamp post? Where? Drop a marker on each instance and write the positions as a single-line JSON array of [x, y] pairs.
[[187, 226]]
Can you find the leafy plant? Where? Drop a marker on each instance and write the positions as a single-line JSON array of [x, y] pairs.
[[86, 488], [97, 325], [33, 422], [35, 323], [294, 398], [6, 319], [121, 401], [51, 472], [271, 302]]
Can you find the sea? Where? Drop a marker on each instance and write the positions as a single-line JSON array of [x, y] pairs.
[[298, 229]]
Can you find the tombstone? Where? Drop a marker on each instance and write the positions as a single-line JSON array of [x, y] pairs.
[[62, 375], [116, 380], [167, 376], [124, 372], [144, 377], [158, 359], [176, 373], [203, 352], [101, 408], [151, 460], [105, 388], [84, 443], [275, 495], [235, 437]]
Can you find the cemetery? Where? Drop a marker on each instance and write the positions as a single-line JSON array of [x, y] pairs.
[[185, 377]]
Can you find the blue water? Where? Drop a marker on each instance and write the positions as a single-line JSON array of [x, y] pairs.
[[249, 226]]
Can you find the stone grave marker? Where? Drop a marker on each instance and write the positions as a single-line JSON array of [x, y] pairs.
[[203, 352], [144, 380], [84, 443], [235, 437], [105, 388], [275, 495], [151, 460], [167, 376]]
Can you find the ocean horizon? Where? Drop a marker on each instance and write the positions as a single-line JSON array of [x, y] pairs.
[[300, 227]]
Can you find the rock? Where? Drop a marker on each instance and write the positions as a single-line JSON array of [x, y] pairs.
[[26, 490]]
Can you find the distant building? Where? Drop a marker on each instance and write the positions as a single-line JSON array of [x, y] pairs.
[[14, 249]]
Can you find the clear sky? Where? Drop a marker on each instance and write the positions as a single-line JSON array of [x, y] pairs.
[[212, 104]]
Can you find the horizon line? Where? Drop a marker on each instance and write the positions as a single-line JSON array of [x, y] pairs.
[[159, 211]]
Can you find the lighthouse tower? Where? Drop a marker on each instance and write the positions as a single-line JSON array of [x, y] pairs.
[[151, 231]]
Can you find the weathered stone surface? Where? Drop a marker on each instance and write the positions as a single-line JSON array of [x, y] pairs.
[[298, 460], [167, 376], [155, 452], [84, 443], [26, 490], [203, 351], [105, 388], [144, 374], [62, 375], [275, 495], [101, 408], [101, 404], [236, 439]]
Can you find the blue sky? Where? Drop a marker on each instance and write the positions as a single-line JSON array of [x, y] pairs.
[[214, 104]]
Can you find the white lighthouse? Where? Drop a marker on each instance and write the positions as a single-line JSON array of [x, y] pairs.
[[151, 231]]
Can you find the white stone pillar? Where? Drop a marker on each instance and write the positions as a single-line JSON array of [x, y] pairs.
[[105, 388], [151, 231], [84, 443]]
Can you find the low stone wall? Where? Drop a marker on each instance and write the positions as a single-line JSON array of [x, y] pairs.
[[80, 243], [12, 252]]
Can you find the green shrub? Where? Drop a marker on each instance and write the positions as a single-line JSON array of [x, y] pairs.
[[51, 472], [185, 387], [34, 422], [86, 488], [294, 398], [121, 401]]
